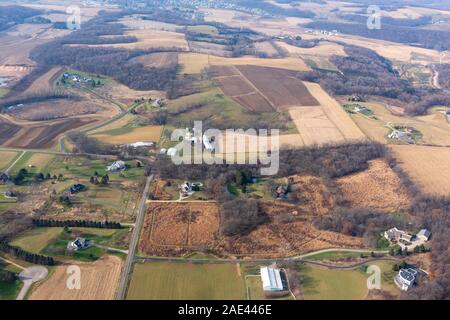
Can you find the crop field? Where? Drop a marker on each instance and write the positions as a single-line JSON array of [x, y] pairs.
[[148, 39], [45, 82], [158, 60], [209, 48], [40, 135], [427, 166], [99, 281], [182, 281], [192, 225], [129, 135], [261, 89], [35, 240], [377, 188], [53, 109], [326, 123], [194, 63]]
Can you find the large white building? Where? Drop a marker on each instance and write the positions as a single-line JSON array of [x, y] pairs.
[[405, 278], [271, 279]]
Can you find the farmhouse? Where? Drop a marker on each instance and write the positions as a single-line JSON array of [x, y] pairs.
[[116, 166], [3, 178], [406, 278], [401, 135], [396, 235], [78, 244], [271, 279]]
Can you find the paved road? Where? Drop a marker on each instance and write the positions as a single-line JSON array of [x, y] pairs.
[[111, 248], [29, 276], [123, 286]]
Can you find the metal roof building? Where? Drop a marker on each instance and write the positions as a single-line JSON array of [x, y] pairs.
[[271, 279]]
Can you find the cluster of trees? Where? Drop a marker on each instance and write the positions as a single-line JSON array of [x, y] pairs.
[[363, 72], [444, 75], [7, 276], [12, 15], [12, 223], [38, 177], [241, 216], [104, 180], [25, 255], [76, 223]]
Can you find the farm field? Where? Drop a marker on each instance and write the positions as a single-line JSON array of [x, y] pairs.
[[267, 48], [129, 134], [194, 63], [326, 123], [45, 82], [182, 281], [135, 21], [6, 159], [434, 127], [35, 240], [262, 89], [158, 60], [377, 188], [427, 166], [40, 135], [99, 281]]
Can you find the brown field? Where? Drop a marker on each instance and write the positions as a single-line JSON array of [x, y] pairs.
[[209, 48], [135, 22], [326, 123], [40, 135], [158, 60], [45, 82], [278, 87], [377, 188], [194, 226], [53, 109], [99, 281], [267, 48], [194, 63], [428, 167], [191, 225], [324, 49]]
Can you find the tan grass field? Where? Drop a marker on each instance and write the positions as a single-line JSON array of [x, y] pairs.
[[148, 39], [148, 133], [433, 126], [99, 281], [429, 167], [327, 123], [195, 62], [267, 48], [6, 158], [45, 82], [377, 188], [324, 49]]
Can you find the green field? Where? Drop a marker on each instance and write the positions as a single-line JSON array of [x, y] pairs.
[[334, 255], [319, 283], [3, 91], [35, 240], [204, 29], [6, 159], [10, 289], [179, 281]]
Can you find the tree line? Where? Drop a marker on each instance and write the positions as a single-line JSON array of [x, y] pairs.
[[25, 255], [76, 223]]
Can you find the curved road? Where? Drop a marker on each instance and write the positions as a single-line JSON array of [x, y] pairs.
[[29, 276]]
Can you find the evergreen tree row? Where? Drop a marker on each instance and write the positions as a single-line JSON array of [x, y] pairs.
[[76, 223], [25, 255]]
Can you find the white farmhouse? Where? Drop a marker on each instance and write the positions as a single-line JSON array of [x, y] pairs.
[[271, 279], [78, 243]]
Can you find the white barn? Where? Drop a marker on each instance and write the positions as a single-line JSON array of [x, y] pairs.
[[271, 279]]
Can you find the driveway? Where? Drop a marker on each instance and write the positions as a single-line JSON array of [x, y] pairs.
[[29, 276]]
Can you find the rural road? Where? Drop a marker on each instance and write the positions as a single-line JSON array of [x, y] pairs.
[[122, 291], [29, 276], [299, 258]]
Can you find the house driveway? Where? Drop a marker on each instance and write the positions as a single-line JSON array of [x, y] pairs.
[[29, 276]]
